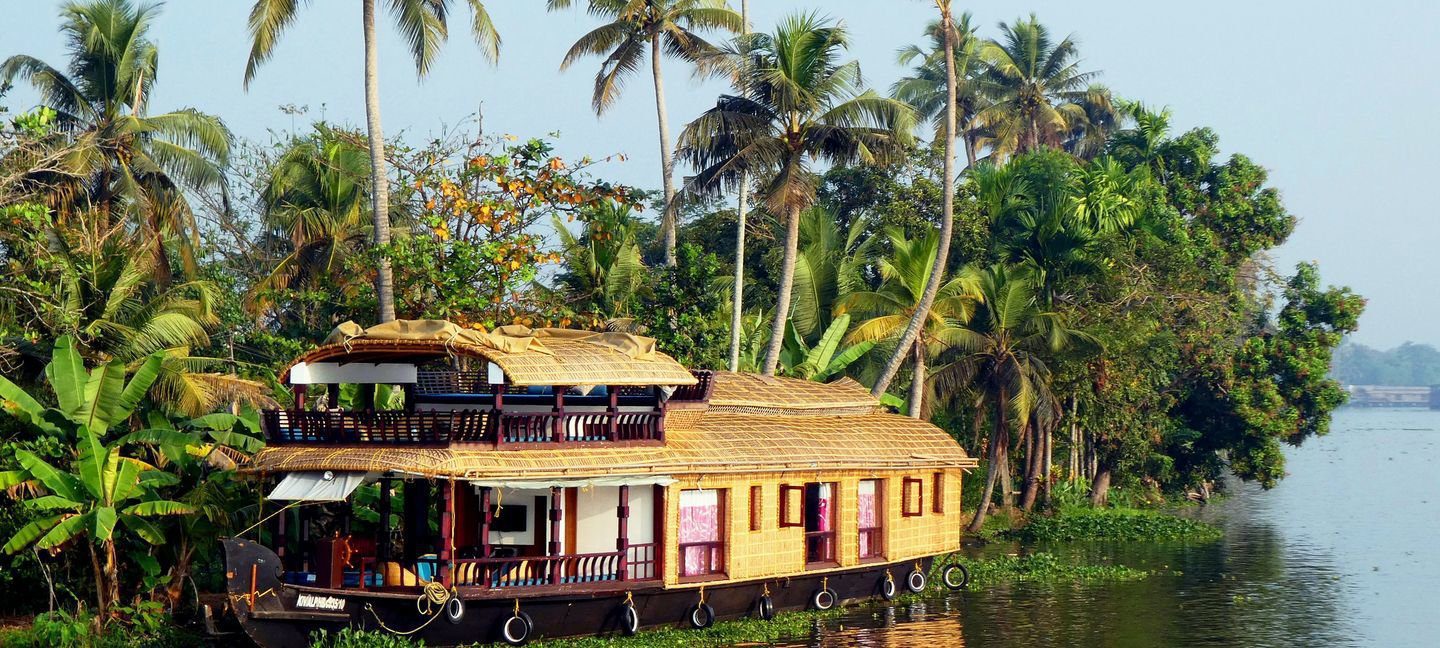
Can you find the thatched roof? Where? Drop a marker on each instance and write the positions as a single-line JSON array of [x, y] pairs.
[[527, 356], [755, 394]]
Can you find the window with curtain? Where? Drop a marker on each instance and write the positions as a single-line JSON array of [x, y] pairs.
[[702, 549], [871, 512]]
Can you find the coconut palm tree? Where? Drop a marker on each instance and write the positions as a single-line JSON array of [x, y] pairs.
[[123, 163], [905, 273], [425, 27], [742, 210], [1036, 87], [910, 337], [926, 87], [828, 267], [799, 104], [603, 268], [661, 27], [1002, 355], [317, 200]]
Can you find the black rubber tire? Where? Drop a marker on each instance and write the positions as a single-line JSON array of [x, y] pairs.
[[516, 630], [701, 616], [455, 610], [888, 589], [766, 607], [824, 599], [949, 577], [915, 581], [629, 620]]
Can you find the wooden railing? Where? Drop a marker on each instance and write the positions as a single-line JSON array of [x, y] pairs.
[[438, 428], [640, 561], [437, 383], [376, 573], [288, 427], [708, 558], [698, 392], [538, 570]]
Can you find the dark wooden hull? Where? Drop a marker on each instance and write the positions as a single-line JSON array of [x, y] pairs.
[[275, 618]]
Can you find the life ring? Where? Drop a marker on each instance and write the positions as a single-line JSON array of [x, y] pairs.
[[766, 607], [824, 599], [454, 610], [888, 590], [517, 629], [955, 577], [701, 616], [629, 620], [915, 581]]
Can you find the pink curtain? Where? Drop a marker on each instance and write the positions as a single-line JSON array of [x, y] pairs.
[[867, 520], [699, 522], [824, 506]]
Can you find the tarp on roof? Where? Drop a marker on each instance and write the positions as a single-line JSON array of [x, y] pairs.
[[317, 486]]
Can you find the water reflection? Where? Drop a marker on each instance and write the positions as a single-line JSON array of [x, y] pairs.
[[1294, 568]]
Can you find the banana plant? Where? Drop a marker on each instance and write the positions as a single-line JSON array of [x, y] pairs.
[[106, 492], [827, 358], [95, 400]]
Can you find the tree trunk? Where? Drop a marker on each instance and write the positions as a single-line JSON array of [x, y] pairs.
[[737, 307], [100, 589], [947, 214], [1034, 452], [379, 175], [988, 493], [969, 151], [176, 587], [1048, 466], [782, 296], [917, 388], [667, 160], [1100, 488], [112, 575], [1007, 481]]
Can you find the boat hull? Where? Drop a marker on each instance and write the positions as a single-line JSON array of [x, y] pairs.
[[277, 615]]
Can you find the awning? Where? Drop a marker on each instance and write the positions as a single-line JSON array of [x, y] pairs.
[[588, 482], [317, 486]]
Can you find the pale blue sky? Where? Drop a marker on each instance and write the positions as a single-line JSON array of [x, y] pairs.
[[1336, 98]]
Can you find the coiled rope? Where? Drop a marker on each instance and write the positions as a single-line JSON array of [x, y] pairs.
[[431, 603]]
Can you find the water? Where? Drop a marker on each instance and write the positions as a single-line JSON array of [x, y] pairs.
[[1341, 553]]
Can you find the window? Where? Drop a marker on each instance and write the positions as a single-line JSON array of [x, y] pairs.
[[937, 498], [756, 495], [792, 506], [912, 497], [702, 549], [871, 513], [820, 523]]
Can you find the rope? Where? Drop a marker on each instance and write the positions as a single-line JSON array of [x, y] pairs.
[[433, 599], [702, 597], [629, 599], [267, 518]]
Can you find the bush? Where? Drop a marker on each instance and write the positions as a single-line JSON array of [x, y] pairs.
[[1083, 523], [352, 638], [60, 629]]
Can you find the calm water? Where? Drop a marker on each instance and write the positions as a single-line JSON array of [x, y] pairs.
[[1342, 553]]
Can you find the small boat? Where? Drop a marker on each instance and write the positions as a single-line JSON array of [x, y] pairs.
[[459, 486]]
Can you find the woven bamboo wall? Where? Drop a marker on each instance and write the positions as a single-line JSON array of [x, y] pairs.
[[773, 551]]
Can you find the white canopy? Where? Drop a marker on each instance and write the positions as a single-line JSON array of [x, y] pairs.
[[317, 486], [587, 482]]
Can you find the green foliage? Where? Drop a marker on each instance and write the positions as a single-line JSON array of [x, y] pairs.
[[145, 626], [682, 309], [1409, 364], [1123, 525], [355, 638], [1037, 567], [827, 358]]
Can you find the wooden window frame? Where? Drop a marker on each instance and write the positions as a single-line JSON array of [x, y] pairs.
[[877, 537], [722, 513], [906, 485], [785, 520], [937, 494], [757, 499]]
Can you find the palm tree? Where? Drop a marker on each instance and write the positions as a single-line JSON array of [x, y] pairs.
[[662, 26], [798, 104], [910, 337], [737, 294], [1002, 354], [927, 86], [603, 268], [1036, 87], [317, 200], [828, 267], [423, 23], [122, 162], [905, 274]]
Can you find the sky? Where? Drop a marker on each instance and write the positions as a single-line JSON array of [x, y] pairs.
[[1336, 99]]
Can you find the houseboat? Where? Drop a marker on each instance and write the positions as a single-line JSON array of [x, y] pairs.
[[460, 486]]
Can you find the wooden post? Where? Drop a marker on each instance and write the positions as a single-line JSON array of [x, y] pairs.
[[555, 516], [498, 421], [614, 410], [623, 542], [486, 517], [299, 391], [558, 424], [281, 538], [447, 533], [382, 544], [367, 396], [659, 520]]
